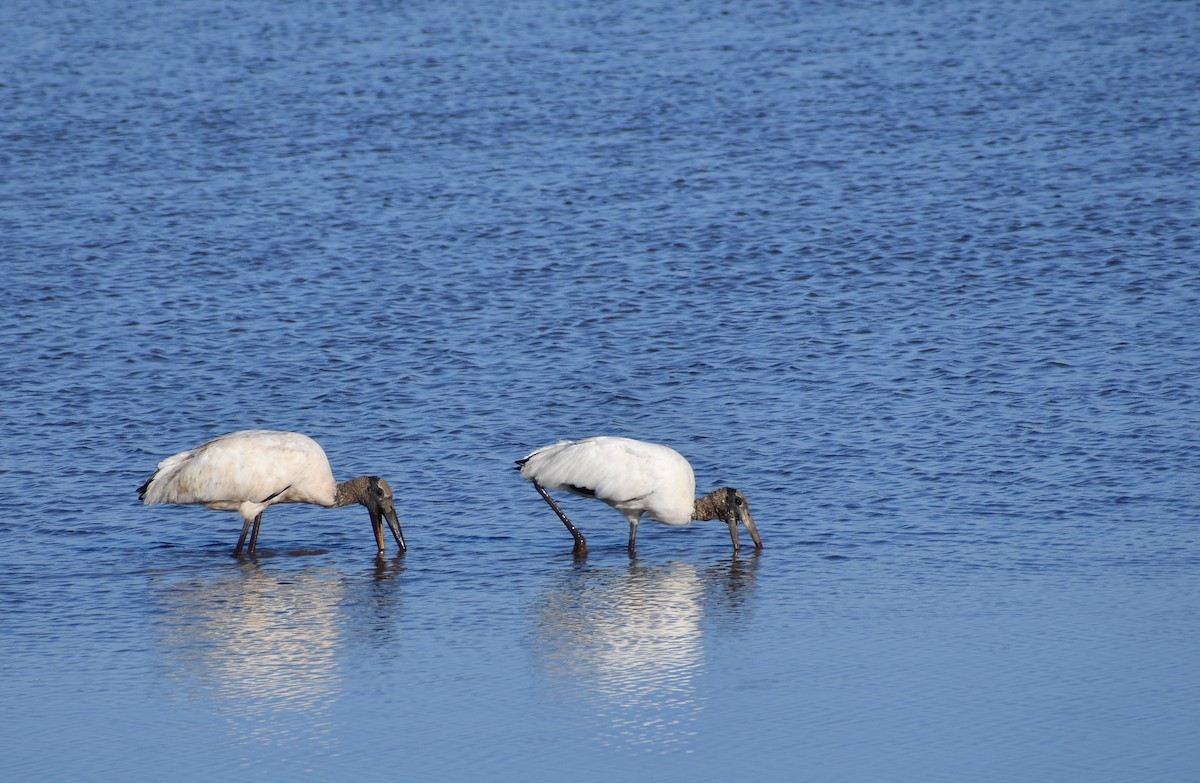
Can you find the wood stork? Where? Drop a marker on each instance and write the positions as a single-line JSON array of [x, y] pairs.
[[248, 471], [635, 478]]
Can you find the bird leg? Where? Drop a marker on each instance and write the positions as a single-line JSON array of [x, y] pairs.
[[254, 533], [580, 549], [246, 529], [258, 522]]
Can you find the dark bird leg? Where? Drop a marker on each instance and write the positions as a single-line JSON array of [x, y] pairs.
[[246, 529], [254, 534], [580, 549], [258, 523]]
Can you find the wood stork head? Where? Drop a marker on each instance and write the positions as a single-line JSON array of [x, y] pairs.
[[731, 507], [376, 494]]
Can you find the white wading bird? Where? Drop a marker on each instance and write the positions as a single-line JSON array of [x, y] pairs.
[[635, 478], [250, 470]]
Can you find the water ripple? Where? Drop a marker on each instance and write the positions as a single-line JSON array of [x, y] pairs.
[[919, 280]]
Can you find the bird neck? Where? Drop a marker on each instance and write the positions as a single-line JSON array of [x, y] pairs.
[[352, 491], [710, 506]]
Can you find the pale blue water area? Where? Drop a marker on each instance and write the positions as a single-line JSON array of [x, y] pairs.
[[921, 279]]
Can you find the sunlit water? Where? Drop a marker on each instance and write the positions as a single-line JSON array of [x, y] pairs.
[[919, 278]]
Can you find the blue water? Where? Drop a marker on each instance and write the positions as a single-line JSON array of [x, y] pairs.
[[921, 279]]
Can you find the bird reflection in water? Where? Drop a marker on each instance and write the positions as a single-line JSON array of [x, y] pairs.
[[628, 644], [260, 645]]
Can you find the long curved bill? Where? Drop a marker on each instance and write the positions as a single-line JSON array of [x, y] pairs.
[[394, 523], [748, 521]]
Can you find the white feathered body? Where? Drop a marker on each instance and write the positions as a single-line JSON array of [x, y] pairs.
[[632, 476], [246, 471]]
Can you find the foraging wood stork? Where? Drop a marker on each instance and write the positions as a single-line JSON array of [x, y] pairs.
[[635, 478], [248, 471]]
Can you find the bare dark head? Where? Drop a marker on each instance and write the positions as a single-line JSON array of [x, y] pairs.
[[376, 494], [731, 507], [380, 504]]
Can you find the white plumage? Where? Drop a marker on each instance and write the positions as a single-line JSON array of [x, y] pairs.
[[636, 478], [251, 470]]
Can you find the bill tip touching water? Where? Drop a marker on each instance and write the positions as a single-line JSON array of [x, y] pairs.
[[251, 470], [636, 478]]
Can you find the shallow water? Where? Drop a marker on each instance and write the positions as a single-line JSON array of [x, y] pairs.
[[920, 280]]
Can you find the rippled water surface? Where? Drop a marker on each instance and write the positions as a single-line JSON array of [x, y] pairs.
[[921, 279]]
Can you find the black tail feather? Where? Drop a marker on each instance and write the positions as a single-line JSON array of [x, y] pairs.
[[142, 489]]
